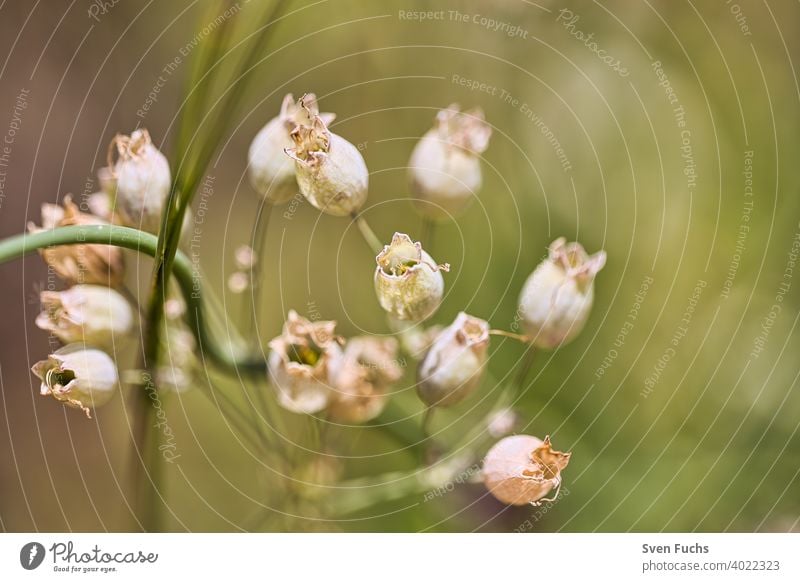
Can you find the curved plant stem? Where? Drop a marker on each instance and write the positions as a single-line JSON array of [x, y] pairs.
[[369, 235]]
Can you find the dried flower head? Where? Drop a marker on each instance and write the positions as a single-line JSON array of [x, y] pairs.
[[79, 263], [78, 376], [271, 172], [93, 314], [557, 298], [331, 172], [141, 179], [301, 362], [522, 469], [445, 170], [454, 365], [362, 379], [408, 281]]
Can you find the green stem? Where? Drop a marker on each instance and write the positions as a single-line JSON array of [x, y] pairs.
[[369, 235]]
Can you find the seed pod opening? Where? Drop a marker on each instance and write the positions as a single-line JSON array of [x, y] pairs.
[[78, 376], [522, 469], [444, 170], [408, 282], [330, 171], [456, 362], [271, 172], [301, 362], [557, 298]]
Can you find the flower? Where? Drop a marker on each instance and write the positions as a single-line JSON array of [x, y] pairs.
[[362, 379], [557, 298], [408, 282], [79, 263], [142, 180], [444, 169], [521, 469], [330, 171], [301, 362], [455, 363], [271, 172], [78, 376], [92, 314]]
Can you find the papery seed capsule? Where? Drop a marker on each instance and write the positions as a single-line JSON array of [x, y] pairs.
[[331, 172], [454, 365], [522, 469], [408, 282], [301, 362], [502, 422], [362, 379], [444, 169], [79, 263], [78, 376], [557, 298], [271, 173], [143, 181], [93, 314]]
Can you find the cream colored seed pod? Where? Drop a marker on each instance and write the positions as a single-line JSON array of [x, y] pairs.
[[557, 298], [79, 263], [331, 172], [301, 363], [408, 282], [455, 363], [93, 314], [522, 469], [78, 376], [444, 170], [363, 378], [142, 178], [271, 173]]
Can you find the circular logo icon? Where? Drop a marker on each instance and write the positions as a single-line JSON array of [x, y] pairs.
[[31, 555]]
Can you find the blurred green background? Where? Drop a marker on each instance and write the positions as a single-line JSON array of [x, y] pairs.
[[712, 446]]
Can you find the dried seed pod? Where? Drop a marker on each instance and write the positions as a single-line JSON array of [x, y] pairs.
[[362, 379], [271, 173], [301, 362], [444, 169], [79, 263], [92, 314], [557, 298], [522, 470], [502, 422], [142, 180], [408, 282], [330, 171], [454, 365], [78, 376]]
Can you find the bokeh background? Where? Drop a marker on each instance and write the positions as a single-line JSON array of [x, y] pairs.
[[712, 446]]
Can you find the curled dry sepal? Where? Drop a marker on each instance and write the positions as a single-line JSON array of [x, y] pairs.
[[408, 282], [271, 172], [557, 297], [522, 469], [79, 263], [330, 171], [78, 376], [454, 365], [444, 170]]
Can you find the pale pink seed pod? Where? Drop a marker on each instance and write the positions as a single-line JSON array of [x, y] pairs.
[[301, 363], [362, 379], [455, 363], [143, 181], [79, 263], [271, 172], [92, 314], [522, 469], [408, 282], [557, 298], [330, 171], [78, 376], [444, 170]]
